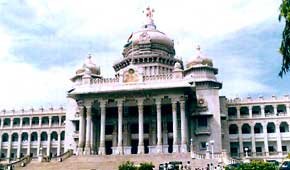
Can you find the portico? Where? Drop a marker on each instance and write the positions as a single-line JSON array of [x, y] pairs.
[[134, 121]]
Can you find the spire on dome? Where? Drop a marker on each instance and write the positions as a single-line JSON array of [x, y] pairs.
[[150, 21], [198, 51]]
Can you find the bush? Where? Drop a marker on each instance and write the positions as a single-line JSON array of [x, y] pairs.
[[127, 166], [146, 166], [256, 165]]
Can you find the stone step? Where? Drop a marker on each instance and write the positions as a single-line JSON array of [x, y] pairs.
[[111, 162]]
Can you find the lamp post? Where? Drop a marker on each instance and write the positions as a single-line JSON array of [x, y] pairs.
[[211, 143], [246, 149]]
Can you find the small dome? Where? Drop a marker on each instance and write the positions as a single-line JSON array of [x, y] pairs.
[[199, 60], [89, 66], [177, 65]]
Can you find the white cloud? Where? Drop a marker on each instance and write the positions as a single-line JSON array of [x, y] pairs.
[[188, 22], [22, 85]]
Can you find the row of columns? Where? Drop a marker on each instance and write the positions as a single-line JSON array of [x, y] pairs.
[[262, 108], [266, 144], [30, 122], [140, 105], [18, 154]]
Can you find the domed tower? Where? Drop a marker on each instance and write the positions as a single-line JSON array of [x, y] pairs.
[[87, 72], [149, 49], [200, 71]]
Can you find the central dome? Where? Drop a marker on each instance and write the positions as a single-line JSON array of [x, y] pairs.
[[149, 34]]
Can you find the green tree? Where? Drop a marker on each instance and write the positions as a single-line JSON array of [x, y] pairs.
[[254, 165], [127, 166], [146, 166], [285, 44]]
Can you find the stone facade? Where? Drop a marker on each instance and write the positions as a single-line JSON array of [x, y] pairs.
[[27, 132], [257, 127], [154, 104]]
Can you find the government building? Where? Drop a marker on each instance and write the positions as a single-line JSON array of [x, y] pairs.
[[155, 103]]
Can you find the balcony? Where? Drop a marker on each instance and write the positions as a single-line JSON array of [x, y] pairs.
[[246, 136], [234, 136], [202, 131]]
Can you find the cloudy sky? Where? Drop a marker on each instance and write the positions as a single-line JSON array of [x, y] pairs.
[[43, 42]]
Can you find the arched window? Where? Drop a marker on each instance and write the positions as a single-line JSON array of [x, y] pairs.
[[62, 135], [246, 129], [43, 136], [5, 137], [244, 111], [258, 128], [24, 136], [284, 127], [232, 112], [14, 137], [233, 129], [54, 136], [271, 128], [33, 136]]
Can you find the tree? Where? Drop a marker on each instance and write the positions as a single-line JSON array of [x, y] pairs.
[[285, 44]]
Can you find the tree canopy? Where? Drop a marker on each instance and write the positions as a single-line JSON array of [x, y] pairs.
[[285, 44]]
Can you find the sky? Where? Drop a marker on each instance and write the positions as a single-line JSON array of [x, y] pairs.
[[43, 42]]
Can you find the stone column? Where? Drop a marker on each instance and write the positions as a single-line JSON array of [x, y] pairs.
[[49, 121], [238, 112], [250, 112], [266, 146], [19, 146], [120, 126], [58, 143], [262, 110], [38, 143], [28, 145], [40, 121], [88, 130], [288, 109], [253, 140], [141, 130], [103, 126], [21, 119], [159, 125], [174, 122], [275, 110], [81, 131], [1, 140], [92, 144], [241, 141], [48, 144], [279, 141], [9, 145], [59, 121], [183, 127]]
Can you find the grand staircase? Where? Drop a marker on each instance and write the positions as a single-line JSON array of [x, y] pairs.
[[111, 162]]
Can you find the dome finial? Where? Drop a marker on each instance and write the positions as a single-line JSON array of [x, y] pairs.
[[149, 14], [198, 51]]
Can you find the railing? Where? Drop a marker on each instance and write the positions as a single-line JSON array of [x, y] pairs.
[[196, 155], [106, 81], [157, 77], [19, 163], [63, 156]]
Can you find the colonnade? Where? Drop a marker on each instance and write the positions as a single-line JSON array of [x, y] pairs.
[[85, 143]]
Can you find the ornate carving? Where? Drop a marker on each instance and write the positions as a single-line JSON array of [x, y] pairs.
[[130, 76], [144, 37]]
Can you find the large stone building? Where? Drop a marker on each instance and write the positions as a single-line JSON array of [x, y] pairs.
[[154, 104]]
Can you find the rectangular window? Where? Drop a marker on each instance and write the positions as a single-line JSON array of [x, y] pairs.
[[202, 145], [258, 149], [202, 122], [284, 148], [271, 149]]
